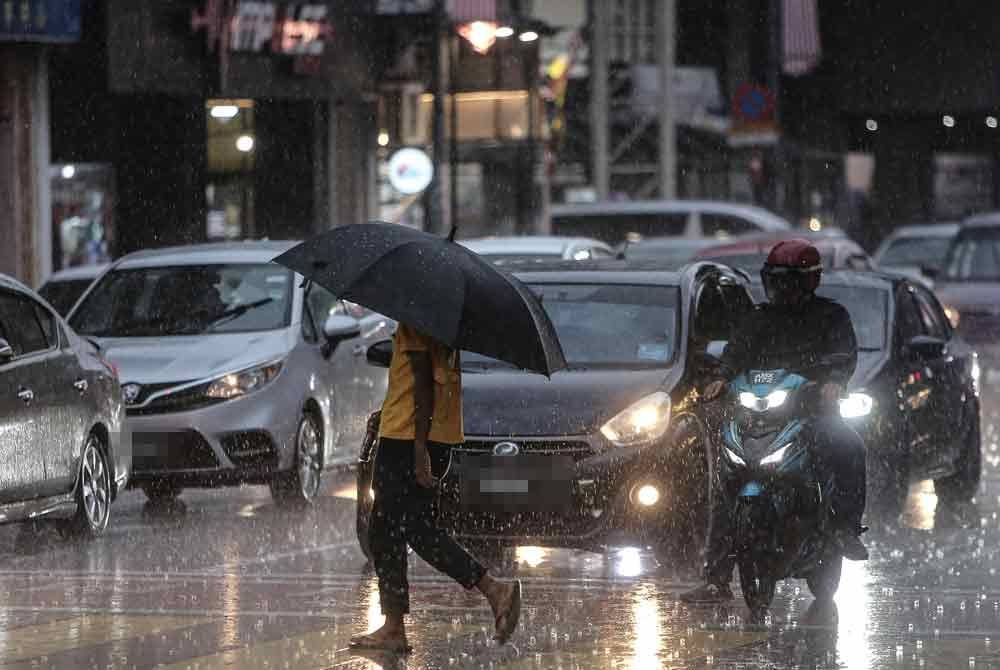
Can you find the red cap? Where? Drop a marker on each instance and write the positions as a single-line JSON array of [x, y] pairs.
[[797, 254]]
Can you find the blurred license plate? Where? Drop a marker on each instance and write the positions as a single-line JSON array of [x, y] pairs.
[[519, 483]]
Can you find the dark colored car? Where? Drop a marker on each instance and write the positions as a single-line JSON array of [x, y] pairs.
[[748, 252], [914, 397], [969, 286], [612, 449], [65, 287], [62, 453]]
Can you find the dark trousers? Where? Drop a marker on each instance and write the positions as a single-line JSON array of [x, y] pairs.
[[841, 455], [404, 514]]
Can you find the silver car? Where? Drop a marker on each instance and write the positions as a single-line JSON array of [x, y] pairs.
[[62, 455], [233, 369]]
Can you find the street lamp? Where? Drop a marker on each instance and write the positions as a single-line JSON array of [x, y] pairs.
[[480, 34]]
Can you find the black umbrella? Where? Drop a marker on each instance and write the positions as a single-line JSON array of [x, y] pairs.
[[435, 285]]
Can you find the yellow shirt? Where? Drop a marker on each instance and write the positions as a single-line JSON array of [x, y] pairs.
[[398, 411]]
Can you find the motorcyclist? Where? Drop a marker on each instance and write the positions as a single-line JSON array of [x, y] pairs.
[[793, 329]]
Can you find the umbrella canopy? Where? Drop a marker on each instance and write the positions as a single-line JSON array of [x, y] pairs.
[[434, 285]]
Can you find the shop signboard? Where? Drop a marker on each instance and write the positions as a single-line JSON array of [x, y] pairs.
[[39, 20]]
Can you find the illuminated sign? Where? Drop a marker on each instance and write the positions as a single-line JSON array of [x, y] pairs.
[[286, 28], [39, 20], [410, 170]]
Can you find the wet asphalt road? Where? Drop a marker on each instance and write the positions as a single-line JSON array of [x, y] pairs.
[[230, 581]]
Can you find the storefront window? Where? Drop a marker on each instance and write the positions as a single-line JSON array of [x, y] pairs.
[[83, 230], [231, 150]]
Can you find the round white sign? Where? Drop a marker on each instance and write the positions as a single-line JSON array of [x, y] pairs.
[[410, 170]]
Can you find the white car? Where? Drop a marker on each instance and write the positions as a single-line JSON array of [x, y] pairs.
[[916, 250], [233, 369], [537, 248], [617, 222]]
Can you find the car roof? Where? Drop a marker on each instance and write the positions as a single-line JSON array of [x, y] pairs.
[[987, 220], [542, 244], [251, 251], [856, 279], [947, 229], [8, 282], [758, 214], [78, 272], [614, 272], [674, 242], [761, 244]]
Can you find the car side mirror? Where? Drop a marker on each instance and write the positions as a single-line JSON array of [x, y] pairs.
[[380, 354], [6, 351], [338, 328], [925, 347]]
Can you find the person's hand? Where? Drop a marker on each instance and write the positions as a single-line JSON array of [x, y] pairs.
[[422, 466], [714, 389], [830, 394]]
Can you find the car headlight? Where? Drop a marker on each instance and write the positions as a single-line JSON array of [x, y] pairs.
[[856, 405], [238, 384], [770, 401], [953, 315], [776, 457], [644, 421]]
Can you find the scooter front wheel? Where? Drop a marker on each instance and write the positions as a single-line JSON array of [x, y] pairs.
[[825, 579], [758, 588]]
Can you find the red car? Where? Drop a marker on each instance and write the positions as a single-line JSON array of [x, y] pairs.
[[748, 252]]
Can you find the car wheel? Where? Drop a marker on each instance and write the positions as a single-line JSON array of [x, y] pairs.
[[161, 492], [888, 485], [365, 505], [300, 485], [93, 492], [962, 486]]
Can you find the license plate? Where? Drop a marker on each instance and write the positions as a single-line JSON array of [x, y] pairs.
[[516, 483]]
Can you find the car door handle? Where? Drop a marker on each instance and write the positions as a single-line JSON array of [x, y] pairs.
[[81, 385], [27, 395], [359, 349]]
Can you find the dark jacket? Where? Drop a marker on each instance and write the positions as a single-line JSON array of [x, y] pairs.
[[775, 337]]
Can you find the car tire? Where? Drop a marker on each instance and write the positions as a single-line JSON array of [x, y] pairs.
[[161, 492], [688, 523], [888, 485], [365, 506], [825, 579], [93, 492], [299, 486], [962, 486]]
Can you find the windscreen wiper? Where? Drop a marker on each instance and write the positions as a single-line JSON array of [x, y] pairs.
[[238, 311]]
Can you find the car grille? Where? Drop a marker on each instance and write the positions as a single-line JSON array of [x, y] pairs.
[[578, 449], [250, 448], [177, 450], [183, 400]]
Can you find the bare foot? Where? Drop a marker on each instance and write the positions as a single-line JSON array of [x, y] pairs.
[[505, 601], [389, 638]]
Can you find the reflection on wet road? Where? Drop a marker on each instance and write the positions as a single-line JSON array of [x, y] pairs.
[[226, 580]]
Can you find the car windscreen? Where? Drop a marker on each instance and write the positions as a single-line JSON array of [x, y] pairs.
[[868, 307], [63, 294], [975, 256], [923, 252], [668, 257], [743, 261], [187, 300], [608, 325]]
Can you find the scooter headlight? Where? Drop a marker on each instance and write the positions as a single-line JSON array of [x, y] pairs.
[[644, 421], [772, 400], [733, 457], [856, 405], [776, 457]]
